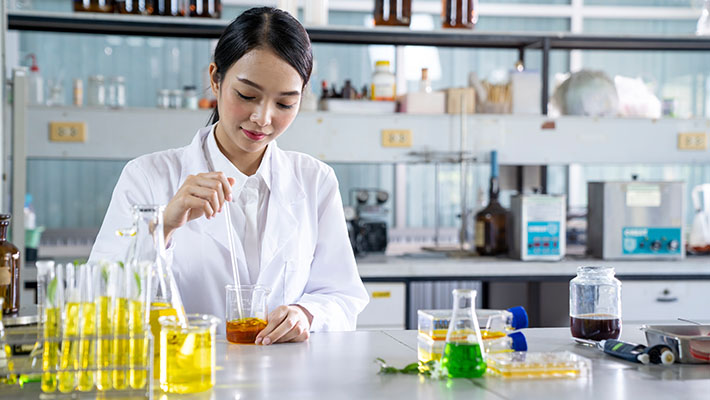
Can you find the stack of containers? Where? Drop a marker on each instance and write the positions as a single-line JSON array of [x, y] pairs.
[[499, 331]]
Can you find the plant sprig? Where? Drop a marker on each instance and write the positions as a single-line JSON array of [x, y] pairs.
[[431, 368]]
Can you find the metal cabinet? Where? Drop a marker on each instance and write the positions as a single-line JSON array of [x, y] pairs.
[[386, 308], [657, 301]]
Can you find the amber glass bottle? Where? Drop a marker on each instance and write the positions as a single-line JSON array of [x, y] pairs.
[[459, 13], [9, 270], [206, 8], [140, 7], [491, 222], [98, 6], [393, 12], [169, 8]]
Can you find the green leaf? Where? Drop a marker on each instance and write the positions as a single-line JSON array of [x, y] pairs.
[[120, 264], [79, 261], [409, 369], [138, 281], [52, 291], [104, 274]]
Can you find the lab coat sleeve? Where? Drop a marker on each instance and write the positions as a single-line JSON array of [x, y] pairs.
[[334, 293], [133, 187]]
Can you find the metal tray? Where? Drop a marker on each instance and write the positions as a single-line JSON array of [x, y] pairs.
[[690, 343]]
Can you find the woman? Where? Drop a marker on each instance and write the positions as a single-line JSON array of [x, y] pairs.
[[286, 208]]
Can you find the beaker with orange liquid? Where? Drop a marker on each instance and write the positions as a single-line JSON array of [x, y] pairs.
[[246, 312]]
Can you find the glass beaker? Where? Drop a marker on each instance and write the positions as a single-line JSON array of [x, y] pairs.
[[463, 356], [459, 13], [148, 249], [246, 319], [6, 364], [595, 304], [393, 12], [187, 359]]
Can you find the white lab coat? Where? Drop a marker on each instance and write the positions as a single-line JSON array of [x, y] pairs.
[[306, 257]]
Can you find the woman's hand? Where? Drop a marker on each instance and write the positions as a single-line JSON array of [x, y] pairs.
[[286, 324], [201, 194]]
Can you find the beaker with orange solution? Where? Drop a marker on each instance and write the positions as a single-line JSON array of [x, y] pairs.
[[246, 312]]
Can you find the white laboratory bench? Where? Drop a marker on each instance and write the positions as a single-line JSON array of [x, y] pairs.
[[340, 365]]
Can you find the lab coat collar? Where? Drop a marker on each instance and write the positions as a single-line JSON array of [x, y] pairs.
[[285, 199]]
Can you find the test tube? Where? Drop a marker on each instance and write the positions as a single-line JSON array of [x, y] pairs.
[[87, 329], [104, 313], [120, 320], [53, 290], [138, 293], [69, 360]]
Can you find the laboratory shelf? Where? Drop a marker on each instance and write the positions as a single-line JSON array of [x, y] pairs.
[[357, 138], [95, 23]]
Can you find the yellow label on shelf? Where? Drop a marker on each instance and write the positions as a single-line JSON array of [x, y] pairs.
[[381, 295], [396, 138], [692, 141]]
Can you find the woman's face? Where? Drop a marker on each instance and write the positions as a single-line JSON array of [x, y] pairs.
[[257, 99]]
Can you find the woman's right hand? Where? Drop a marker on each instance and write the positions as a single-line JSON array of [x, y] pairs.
[[201, 194]]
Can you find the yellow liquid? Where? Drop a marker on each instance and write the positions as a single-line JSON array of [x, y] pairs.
[[103, 347], [86, 347], [158, 310], [187, 360], [491, 334], [119, 348], [69, 361], [138, 347], [50, 354]]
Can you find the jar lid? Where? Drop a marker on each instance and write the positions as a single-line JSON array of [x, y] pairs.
[[595, 269], [186, 88]]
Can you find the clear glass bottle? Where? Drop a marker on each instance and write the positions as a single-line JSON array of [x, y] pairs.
[[10, 266], [140, 7], [459, 13], [393, 12], [463, 355], [703, 27], [190, 100], [595, 304], [148, 248], [117, 92], [491, 222], [169, 8], [163, 98], [96, 96]]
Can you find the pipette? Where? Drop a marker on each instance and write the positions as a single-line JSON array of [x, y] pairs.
[[233, 258]]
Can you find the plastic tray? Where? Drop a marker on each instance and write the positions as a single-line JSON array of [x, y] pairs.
[[527, 365]]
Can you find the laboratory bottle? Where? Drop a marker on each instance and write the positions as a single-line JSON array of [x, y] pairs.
[[36, 84], [9, 269], [98, 6], [96, 91], [393, 12], [463, 356], [491, 222], [703, 27], [169, 8], [500, 322], [205, 8], [425, 83], [140, 7], [595, 304], [383, 82], [459, 13], [148, 248]]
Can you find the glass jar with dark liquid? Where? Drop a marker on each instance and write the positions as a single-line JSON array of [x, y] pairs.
[[459, 13], [99, 6], [9, 270], [595, 304], [393, 12]]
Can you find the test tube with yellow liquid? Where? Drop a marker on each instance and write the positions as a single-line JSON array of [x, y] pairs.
[[53, 289], [69, 358], [120, 322], [87, 329], [104, 314], [138, 292], [187, 359]]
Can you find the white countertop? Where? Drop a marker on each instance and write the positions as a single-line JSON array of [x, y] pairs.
[[340, 365], [436, 266]]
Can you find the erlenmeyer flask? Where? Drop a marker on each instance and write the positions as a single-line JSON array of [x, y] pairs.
[[148, 248], [463, 356]]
